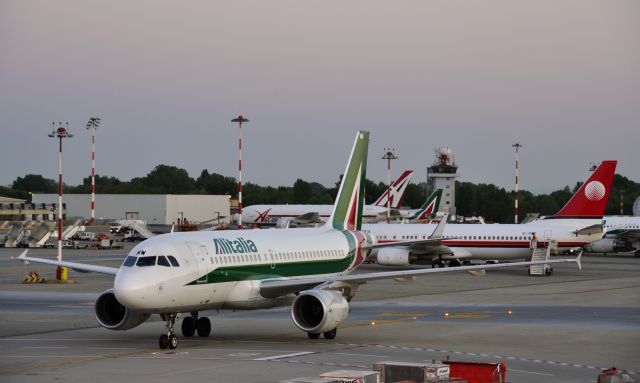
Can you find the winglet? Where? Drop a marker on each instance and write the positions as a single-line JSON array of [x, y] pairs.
[[578, 260], [23, 255], [347, 211], [173, 226], [437, 233]]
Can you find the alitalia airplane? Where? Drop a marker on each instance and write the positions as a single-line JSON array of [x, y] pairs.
[[578, 223], [286, 216], [307, 268], [428, 209]]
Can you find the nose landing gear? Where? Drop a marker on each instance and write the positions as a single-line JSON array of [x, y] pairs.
[[169, 340]]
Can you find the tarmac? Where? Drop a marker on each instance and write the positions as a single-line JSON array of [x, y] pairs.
[[562, 328]]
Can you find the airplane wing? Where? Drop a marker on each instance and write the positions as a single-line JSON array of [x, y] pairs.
[[272, 288], [630, 234], [81, 267]]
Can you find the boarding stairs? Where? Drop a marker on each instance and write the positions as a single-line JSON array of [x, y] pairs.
[[70, 231], [14, 236], [142, 230], [543, 254], [39, 235]]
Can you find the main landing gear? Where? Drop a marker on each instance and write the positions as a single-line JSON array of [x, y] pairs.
[[193, 324], [190, 325]]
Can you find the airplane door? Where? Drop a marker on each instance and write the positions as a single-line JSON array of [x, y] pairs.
[[199, 261], [547, 236]]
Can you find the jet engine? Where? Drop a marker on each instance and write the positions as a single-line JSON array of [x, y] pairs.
[[285, 223], [114, 316], [608, 245], [394, 256], [319, 311]]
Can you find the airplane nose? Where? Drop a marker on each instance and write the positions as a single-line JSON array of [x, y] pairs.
[[131, 290]]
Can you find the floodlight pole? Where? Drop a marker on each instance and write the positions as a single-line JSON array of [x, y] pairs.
[[92, 124], [389, 155], [240, 120], [517, 145], [60, 133]]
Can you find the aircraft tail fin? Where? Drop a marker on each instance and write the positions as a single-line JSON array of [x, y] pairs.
[[347, 211], [430, 206], [591, 199], [396, 192]]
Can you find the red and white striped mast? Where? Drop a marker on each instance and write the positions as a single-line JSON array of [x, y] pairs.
[[92, 124], [517, 145], [240, 120], [60, 133]]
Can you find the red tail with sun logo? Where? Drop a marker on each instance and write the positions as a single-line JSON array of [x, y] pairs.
[[590, 200]]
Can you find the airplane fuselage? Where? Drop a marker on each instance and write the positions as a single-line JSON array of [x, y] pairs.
[[491, 241], [223, 269], [270, 214]]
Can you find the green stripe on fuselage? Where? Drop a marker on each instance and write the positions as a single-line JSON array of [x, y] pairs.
[[279, 270]]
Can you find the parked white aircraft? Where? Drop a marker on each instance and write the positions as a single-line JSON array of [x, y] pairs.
[[622, 234], [189, 272], [285, 216], [579, 223]]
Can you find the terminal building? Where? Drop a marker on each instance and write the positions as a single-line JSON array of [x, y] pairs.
[[442, 175], [154, 209]]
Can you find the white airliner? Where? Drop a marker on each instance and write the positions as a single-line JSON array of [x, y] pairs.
[[307, 268], [578, 223], [285, 216], [622, 234]]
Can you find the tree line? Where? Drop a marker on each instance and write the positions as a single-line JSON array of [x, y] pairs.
[[495, 204]]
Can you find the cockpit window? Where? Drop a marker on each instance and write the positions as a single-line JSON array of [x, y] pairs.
[[173, 260], [162, 261], [129, 261], [146, 261]]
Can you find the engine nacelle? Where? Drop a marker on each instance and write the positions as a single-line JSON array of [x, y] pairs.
[[393, 256], [608, 245], [318, 311], [285, 223], [114, 316]]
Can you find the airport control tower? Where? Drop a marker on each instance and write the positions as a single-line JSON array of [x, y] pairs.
[[442, 175]]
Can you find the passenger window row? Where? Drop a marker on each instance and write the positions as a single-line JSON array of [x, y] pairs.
[[275, 257]]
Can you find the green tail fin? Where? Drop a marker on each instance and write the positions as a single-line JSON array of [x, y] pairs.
[[347, 211], [430, 206]]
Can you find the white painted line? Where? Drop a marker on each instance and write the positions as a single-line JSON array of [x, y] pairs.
[[530, 372], [40, 347], [346, 353], [286, 355], [111, 348]]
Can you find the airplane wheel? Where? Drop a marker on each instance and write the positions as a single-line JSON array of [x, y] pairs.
[[163, 342], [331, 334], [188, 326], [637, 254], [173, 341], [203, 326], [454, 263], [313, 335]]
